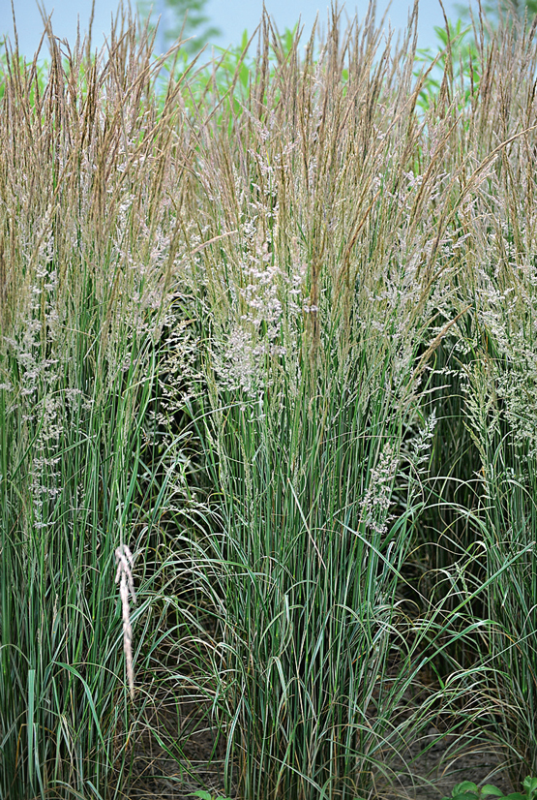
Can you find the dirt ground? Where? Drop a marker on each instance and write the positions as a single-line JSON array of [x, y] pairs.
[[433, 775], [430, 776]]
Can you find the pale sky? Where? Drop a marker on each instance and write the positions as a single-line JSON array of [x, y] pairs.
[[231, 16]]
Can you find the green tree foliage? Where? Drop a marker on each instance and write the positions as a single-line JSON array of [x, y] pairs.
[[518, 7], [501, 8], [189, 21]]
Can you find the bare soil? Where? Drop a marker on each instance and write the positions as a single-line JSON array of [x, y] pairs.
[[428, 769], [446, 762]]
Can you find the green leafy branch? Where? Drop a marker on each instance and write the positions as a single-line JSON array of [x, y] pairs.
[[470, 791]]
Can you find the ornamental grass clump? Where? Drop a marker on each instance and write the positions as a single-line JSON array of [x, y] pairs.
[[86, 248], [485, 457], [267, 359], [344, 320], [326, 304]]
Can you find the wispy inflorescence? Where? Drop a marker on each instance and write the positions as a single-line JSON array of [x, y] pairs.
[[124, 576]]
